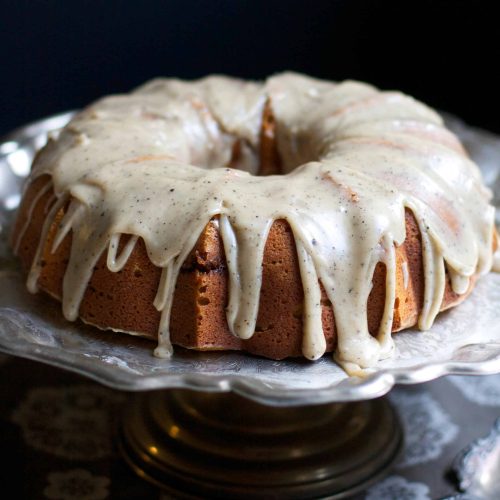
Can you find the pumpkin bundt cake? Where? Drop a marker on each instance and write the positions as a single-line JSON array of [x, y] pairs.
[[285, 218]]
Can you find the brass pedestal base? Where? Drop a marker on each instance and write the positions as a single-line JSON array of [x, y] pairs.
[[221, 445]]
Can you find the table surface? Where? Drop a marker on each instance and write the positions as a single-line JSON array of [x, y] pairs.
[[57, 430]]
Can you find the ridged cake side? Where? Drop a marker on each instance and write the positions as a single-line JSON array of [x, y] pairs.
[[124, 300]]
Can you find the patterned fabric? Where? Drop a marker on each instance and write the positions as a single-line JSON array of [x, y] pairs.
[[398, 488], [57, 429], [427, 427], [57, 420], [76, 483]]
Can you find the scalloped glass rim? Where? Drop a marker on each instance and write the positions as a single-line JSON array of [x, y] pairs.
[[461, 342]]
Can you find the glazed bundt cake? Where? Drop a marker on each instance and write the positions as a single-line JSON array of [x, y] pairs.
[[286, 218]]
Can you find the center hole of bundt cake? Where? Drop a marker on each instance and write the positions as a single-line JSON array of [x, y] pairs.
[[269, 161]]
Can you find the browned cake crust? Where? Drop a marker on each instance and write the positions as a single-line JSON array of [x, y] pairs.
[[124, 300]]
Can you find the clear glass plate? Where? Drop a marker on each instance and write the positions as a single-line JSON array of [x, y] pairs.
[[465, 340]]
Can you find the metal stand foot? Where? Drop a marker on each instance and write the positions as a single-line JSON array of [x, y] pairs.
[[221, 445]]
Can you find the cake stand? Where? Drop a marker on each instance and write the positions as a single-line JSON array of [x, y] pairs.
[[230, 425]]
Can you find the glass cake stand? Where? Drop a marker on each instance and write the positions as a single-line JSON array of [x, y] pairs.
[[231, 425]]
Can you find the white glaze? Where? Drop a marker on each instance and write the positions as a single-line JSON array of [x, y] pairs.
[[151, 164]]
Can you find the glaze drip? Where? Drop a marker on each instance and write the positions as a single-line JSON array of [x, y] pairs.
[[152, 165]]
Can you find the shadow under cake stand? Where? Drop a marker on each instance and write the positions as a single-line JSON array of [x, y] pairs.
[[230, 425]]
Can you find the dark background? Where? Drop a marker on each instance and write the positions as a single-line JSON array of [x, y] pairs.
[[59, 55]]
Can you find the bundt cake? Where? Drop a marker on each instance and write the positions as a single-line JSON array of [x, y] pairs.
[[285, 218]]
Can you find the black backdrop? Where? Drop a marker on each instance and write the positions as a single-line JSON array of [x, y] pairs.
[[60, 54]]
